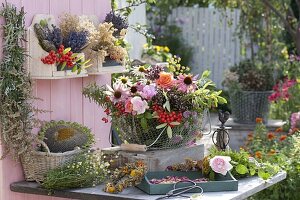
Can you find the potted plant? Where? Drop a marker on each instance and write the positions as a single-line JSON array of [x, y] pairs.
[[153, 106], [249, 85]]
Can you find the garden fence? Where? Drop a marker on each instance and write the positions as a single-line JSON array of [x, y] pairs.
[[214, 42]]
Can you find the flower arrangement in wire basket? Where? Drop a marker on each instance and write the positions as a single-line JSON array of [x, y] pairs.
[[154, 107]]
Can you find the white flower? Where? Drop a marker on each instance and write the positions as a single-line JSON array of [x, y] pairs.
[[124, 80], [220, 164], [139, 71]]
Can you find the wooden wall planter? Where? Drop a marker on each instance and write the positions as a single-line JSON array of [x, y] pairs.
[[36, 68], [39, 70]]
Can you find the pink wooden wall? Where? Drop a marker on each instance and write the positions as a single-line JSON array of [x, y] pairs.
[[62, 97]]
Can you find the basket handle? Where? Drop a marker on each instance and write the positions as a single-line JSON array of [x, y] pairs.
[[43, 144]]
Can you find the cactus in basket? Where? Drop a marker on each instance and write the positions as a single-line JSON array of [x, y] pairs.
[[62, 136]]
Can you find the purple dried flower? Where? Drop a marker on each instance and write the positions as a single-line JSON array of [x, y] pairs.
[[186, 114], [153, 72], [119, 21], [76, 40], [177, 138]]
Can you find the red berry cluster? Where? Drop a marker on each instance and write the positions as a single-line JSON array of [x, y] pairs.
[[167, 117], [107, 111], [121, 108], [50, 59], [59, 57]]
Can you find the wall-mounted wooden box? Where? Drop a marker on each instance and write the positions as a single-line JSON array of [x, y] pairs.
[[36, 68]]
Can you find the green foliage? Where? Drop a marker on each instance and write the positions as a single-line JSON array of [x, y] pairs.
[[284, 153], [16, 111], [86, 170], [244, 166]]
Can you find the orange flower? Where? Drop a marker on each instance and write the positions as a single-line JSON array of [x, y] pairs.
[[258, 154], [258, 120], [278, 130], [271, 136], [165, 80], [294, 130], [271, 152], [250, 136], [282, 137]]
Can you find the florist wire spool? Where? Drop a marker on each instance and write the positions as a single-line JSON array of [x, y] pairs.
[[221, 137]]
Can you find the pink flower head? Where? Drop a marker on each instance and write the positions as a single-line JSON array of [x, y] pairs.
[[220, 164], [295, 121], [139, 106], [128, 106], [118, 93], [187, 83], [148, 91]]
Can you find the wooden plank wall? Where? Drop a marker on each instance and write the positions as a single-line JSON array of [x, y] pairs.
[[62, 97], [215, 46]]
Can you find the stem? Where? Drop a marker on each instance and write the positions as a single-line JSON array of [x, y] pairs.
[[283, 19]]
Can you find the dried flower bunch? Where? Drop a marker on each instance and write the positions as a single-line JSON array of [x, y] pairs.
[[103, 42], [120, 23], [86, 170], [131, 174], [157, 101]]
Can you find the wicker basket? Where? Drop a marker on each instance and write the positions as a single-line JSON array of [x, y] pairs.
[[248, 105], [37, 164]]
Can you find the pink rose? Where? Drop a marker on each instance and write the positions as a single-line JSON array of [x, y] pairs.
[[128, 106], [138, 105], [220, 164], [148, 91]]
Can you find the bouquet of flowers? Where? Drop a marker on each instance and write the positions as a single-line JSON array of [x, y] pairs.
[[155, 107]]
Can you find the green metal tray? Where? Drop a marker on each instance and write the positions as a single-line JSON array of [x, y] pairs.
[[222, 183]]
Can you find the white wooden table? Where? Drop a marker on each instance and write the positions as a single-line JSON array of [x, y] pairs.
[[247, 187]]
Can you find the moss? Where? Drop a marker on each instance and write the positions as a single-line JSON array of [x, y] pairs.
[[64, 134]]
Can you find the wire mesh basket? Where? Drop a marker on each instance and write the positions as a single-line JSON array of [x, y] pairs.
[[248, 105], [129, 129]]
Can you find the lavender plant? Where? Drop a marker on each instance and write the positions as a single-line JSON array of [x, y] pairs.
[[119, 22], [76, 40]]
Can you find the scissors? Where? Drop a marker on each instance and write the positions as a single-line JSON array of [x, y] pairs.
[[179, 191]]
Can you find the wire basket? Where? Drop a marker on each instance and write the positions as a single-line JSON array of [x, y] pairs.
[[129, 129], [248, 105], [37, 163]]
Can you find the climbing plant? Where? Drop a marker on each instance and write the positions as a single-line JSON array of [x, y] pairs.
[[16, 111]]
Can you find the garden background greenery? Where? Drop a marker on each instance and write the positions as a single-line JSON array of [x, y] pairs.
[[273, 27]]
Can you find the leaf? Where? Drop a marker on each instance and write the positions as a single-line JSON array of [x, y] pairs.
[[241, 169], [252, 171], [169, 132], [175, 123], [66, 50], [144, 123], [212, 176], [63, 66], [148, 115], [74, 69], [167, 105], [262, 174], [161, 126], [43, 23]]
